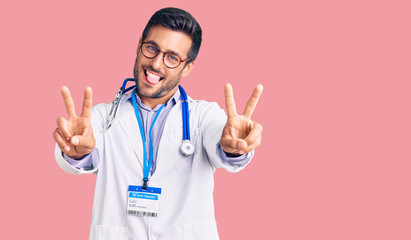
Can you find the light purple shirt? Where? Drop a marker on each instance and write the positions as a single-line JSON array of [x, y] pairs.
[[147, 116]]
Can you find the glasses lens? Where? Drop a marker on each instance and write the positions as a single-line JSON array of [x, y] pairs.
[[171, 60], [149, 50]]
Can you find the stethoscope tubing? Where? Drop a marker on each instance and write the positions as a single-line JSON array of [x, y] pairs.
[[186, 148], [185, 115], [123, 90]]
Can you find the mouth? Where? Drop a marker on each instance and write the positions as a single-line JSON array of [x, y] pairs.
[[152, 77]]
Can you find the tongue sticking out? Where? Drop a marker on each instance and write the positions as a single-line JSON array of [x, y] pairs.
[[153, 79]]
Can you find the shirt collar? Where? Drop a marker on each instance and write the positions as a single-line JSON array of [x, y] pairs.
[[172, 101]]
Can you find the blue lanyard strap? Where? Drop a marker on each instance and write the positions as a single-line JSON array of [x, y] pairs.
[[147, 162]]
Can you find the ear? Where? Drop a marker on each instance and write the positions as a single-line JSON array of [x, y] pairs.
[[187, 69], [139, 44]]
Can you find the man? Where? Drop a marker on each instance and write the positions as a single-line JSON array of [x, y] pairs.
[[140, 153]]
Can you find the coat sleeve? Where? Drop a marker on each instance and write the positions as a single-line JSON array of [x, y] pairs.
[[212, 121], [98, 118]]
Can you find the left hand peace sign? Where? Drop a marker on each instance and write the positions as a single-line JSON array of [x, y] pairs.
[[240, 134]]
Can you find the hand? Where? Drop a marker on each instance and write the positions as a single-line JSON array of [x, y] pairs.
[[74, 135], [240, 134]]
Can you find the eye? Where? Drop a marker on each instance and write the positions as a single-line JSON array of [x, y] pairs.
[[151, 48], [173, 58]]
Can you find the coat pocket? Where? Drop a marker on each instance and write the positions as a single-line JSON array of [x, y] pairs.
[[101, 232]]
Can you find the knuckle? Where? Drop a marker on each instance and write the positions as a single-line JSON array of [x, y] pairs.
[[258, 142], [58, 140], [258, 126], [60, 120], [55, 136]]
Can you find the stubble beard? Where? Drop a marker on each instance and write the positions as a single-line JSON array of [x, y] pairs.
[[166, 85]]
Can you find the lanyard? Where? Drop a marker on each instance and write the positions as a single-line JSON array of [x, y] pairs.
[[147, 162]]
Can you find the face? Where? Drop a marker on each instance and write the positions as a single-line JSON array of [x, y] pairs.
[[153, 78]]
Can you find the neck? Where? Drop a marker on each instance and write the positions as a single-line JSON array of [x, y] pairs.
[[153, 102]]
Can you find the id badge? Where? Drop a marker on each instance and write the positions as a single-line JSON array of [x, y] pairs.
[[143, 202]]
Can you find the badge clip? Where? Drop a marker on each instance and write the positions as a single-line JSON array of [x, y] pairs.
[[145, 184]]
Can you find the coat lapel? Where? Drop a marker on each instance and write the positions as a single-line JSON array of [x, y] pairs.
[[128, 122]]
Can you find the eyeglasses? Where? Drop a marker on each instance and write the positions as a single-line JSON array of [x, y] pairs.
[[170, 59]]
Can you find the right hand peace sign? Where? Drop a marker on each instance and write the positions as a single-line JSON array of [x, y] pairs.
[[74, 135], [241, 134]]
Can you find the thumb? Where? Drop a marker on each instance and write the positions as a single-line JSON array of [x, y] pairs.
[[83, 144], [86, 139], [75, 140], [242, 145], [83, 141], [234, 145]]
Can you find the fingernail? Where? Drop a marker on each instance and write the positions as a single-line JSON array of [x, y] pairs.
[[68, 139], [66, 149], [75, 141]]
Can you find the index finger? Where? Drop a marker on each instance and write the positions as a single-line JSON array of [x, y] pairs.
[[252, 102], [68, 101], [87, 102], [229, 100]]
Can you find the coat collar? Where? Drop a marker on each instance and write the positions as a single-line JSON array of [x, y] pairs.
[[127, 121]]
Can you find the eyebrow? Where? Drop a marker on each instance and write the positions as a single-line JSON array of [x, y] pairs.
[[171, 51]]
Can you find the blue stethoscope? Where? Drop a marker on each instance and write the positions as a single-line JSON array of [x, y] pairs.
[[187, 148]]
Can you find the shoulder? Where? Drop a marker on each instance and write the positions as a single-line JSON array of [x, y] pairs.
[[203, 105], [103, 109], [203, 110]]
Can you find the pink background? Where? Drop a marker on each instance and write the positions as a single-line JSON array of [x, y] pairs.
[[335, 159]]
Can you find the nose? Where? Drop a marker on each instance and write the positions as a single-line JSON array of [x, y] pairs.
[[157, 62]]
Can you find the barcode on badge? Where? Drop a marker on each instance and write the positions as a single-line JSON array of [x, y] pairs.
[[140, 213]]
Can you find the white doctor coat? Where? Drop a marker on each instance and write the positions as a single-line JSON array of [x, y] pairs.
[[186, 208]]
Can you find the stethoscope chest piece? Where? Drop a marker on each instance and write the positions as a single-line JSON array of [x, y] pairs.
[[187, 148]]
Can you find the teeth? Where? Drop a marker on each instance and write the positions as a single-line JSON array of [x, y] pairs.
[[152, 74]]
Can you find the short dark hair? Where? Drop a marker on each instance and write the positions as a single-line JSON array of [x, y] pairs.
[[178, 20]]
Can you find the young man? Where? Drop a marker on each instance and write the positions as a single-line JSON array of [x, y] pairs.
[[141, 152]]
